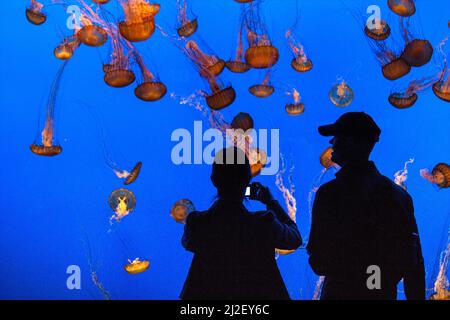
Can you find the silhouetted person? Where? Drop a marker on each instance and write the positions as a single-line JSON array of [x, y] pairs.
[[234, 249], [361, 219]]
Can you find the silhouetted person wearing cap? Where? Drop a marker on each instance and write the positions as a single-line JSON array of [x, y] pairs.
[[234, 249], [363, 219]]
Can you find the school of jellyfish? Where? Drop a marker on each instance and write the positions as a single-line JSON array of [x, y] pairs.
[[254, 49]]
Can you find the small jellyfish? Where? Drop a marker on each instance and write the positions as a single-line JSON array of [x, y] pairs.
[[48, 145], [66, 49], [441, 88], [242, 120], [258, 160], [122, 202], [261, 54], [118, 71], [341, 95], [187, 27], [181, 209], [92, 35], [209, 65], [401, 176], [137, 266], [220, 97], [34, 13], [238, 64], [403, 8], [417, 52], [403, 100], [263, 90], [100, 1], [378, 32], [134, 174], [440, 175], [325, 159], [149, 89], [296, 108], [300, 62], [139, 22]]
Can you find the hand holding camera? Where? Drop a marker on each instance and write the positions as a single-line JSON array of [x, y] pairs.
[[256, 191]]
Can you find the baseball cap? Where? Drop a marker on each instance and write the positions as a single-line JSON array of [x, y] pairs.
[[353, 124]]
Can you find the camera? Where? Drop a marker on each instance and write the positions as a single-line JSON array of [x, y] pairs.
[[252, 191]]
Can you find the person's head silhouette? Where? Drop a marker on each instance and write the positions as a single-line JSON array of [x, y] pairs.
[[354, 137], [231, 173]]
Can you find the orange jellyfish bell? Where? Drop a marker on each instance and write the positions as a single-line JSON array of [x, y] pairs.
[[403, 8], [262, 56], [242, 120], [395, 69], [46, 151], [295, 109], [137, 266], [441, 175], [213, 70], [150, 91], [181, 209], [100, 1], [136, 32], [221, 99], [442, 90], [301, 66], [67, 48], [403, 101], [325, 158], [188, 29], [92, 35], [261, 90], [258, 160], [35, 17], [380, 33], [237, 66], [133, 174], [118, 77], [418, 53]]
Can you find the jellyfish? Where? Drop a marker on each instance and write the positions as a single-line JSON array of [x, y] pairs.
[[150, 89], [325, 159], [418, 52], [122, 202], [134, 174], [288, 195], [258, 160], [260, 54], [49, 145], [243, 121], [93, 30], [100, 1], [379, 31], [238, 64], [66, 49], [243, 1], [208, 65], [401, 176], [341, 95], [296, 108], [440, 175], [221, 98], [137, 266], [300, 62], [403, 8], [406, 99], [118, 71], [442, 87], [34, 13], [263, 90], [139, 22], [187, 27], [181, 209], [442, 284]]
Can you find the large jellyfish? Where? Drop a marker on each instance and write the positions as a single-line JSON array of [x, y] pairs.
[[238, 64], [440, 175], [122, 202], [261, 53], [243, 121], [403, 8], [417, 52], [288, 195], [378, 31], [401, 176], [181, 209], [118, 71], [208, 64], [34, 13], [297, 107], [139, 22], [341, 95], [150, 88], [264, 89], [186, 26], [300, 62], [93, 30], [49, 145], [137, 266], [66, 49]]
